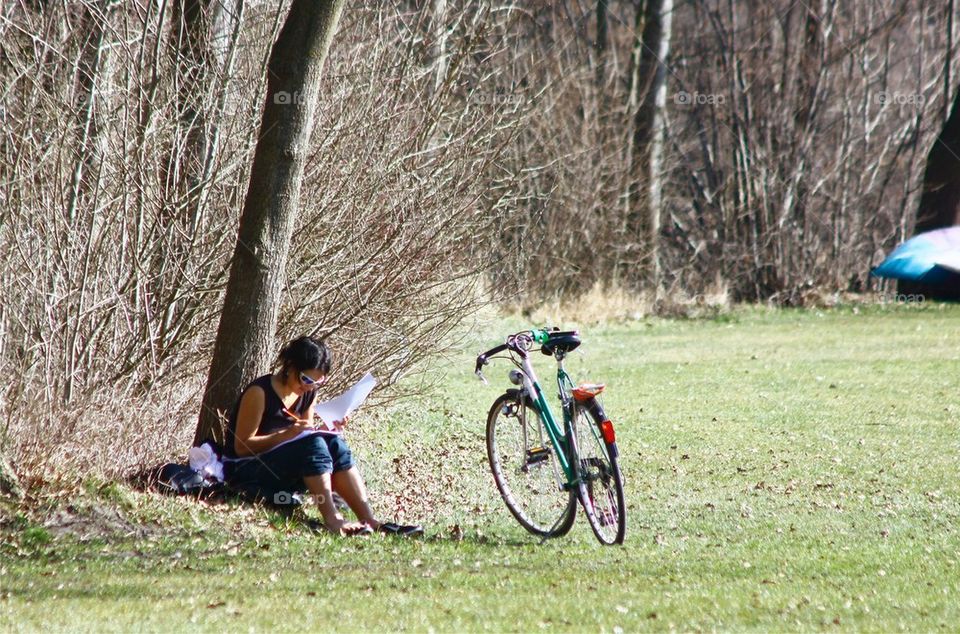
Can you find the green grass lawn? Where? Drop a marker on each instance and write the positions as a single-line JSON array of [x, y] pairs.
[[785, 470]]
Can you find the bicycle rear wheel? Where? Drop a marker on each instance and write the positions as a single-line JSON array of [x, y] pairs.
[[526, 469], [601, 483]]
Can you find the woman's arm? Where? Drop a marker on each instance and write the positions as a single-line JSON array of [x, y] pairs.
[[246, 442]]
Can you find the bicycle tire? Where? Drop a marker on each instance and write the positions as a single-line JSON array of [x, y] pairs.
[[601, 482], [526, 474]]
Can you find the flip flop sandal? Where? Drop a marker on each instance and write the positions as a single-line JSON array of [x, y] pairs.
[[400, 530]]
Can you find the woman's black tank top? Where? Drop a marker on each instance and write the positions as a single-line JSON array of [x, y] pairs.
[[275, 415]]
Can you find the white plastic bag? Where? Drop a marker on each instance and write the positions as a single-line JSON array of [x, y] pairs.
[[203, 460]]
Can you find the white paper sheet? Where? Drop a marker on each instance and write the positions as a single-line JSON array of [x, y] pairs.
[[336, 409]]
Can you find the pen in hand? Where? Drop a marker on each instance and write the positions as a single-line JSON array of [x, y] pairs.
[[297, 420]]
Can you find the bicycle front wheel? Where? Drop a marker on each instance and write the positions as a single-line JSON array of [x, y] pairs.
[[601, 482], [526, 469]]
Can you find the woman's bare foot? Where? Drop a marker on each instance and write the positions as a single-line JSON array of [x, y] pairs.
[[347, 529]]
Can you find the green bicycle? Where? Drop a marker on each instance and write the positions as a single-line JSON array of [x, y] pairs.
[[542, 466]]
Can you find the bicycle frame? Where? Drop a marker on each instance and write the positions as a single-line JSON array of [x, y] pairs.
[[558, 437]]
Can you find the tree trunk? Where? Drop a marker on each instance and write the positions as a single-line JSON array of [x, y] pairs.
[[793, 253], [224, 22], [201, 36], [649, 91], [190, 42], [948, 61], [601, 44], [940, 201], [244, 344], [9, 483], [438, 48]]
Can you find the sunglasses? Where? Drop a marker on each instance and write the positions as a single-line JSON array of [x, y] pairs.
[[306, 380]]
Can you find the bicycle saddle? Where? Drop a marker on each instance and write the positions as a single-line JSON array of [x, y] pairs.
[[562, 341]]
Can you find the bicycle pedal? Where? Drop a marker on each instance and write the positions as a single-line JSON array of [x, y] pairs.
[[536, 455]]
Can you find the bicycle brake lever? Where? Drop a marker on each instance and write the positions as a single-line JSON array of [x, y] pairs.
[[480, 376]]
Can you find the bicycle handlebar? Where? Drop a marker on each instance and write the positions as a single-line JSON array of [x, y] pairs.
[[482, 359], [519, 343]]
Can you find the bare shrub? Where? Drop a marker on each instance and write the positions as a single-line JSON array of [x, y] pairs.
[[567, 166], [795, 140], [796, 130], [116, 234]]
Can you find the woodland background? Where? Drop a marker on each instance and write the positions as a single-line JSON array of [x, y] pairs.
[[698, 151]]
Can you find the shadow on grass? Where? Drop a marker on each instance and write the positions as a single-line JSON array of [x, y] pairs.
[[301, 521]]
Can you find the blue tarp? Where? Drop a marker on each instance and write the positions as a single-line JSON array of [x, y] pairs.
[[932, 258]]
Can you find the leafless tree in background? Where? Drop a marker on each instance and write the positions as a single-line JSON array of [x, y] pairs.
[[939, 204], [793, 134], [647, 100], [797, 154], [245, 344], [457, 144]]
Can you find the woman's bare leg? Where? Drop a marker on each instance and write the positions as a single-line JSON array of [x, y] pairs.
[[320, 488], [349, 485]]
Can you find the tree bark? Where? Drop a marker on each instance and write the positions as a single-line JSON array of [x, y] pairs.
[[649, 91], [9, 483], [940, 201], [200, 38], [89, 69], [601, 44], [245, 337], [438, 48]]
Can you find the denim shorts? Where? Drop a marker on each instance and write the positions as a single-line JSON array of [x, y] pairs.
[[284, 468]]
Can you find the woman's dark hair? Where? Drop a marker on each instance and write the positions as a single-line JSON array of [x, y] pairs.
[[305, 353]]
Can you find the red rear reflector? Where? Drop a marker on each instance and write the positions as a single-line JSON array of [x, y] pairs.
[[587, 391], [606, 427]]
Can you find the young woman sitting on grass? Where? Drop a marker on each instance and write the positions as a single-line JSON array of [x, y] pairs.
[[263, 455]]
